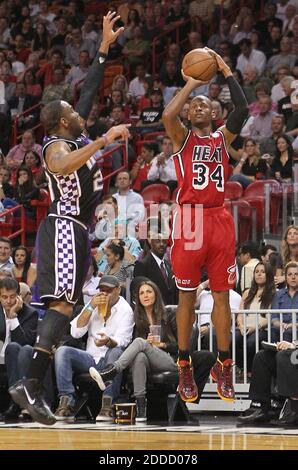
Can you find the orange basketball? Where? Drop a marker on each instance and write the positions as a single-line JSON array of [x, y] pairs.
[[199, 64]]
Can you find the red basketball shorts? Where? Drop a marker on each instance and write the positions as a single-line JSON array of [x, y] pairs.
[[203, 238]]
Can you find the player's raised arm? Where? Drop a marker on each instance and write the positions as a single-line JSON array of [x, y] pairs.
[[239, 114], [96, 71], [170, 117]]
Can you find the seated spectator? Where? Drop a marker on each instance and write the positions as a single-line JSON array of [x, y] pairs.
[[162, 169], [58, 90], [130, 204], [277, 92], [268, 145], [6, 189], [33, 88], [286, 298], [114, 252], [106, 215], [250, 56], [94, 126], [289, 252], [76, 44], [282, 165], [18, 328], [144, 355], [259, 296], [107, 338], [260, 127], [25, 190], [139, 172], [91, 282], [117, 98], [19, 103], [6, 262], [262, 90], [136, 50], [45, 75], [171, 76], [16, 155], [280, 365], [136, 87], [78, 73], [285, 57], [23, 270], [150, 118], [204, 303], [156, 267], [284, 104], [32, 160], [248, 258], [41, 40], [250, 166]]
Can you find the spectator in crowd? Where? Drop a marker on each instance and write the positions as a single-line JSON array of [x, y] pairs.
[[114, 252], [271, 46], [75, 45], [9, 86], [23, 270], [250, 167], [107, 338], [286, 57], [286, 298], [162, 169], [259, 296], [45, 74], [248, 258], [171, 76], [58, 90], [136, 50], [79, 72], [284, 104], [6, 189], [136, 87], [130, 204], [19, 103], [222, 34], [205, 304], [33, 88], [150, 118], [268, 145], [6, 262], [18, 328], [282, 165], [58, 40], [140, 169], [277, 92], [94, 126], [289, 251], [280, 366], [16, 155], [25, 190], [250, 56], [266, 251], [144, 355], [91, 282], [32, 160], [41, 40], [157, 268], [260, 127]]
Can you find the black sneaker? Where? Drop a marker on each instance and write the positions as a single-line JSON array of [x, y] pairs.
[[32, 401], [103, 377], [141, 403]]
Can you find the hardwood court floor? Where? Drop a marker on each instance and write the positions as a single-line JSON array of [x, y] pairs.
[[71, 439]]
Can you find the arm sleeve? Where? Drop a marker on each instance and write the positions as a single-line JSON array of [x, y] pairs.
[[239, 114], [90, 87]]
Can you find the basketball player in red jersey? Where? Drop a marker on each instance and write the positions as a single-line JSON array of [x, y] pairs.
[[201, 161]]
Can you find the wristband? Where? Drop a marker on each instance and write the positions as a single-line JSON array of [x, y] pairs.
[[101, 57], [89, 308], [105, 139]]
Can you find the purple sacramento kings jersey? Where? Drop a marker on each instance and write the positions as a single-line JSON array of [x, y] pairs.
[[77, 194]]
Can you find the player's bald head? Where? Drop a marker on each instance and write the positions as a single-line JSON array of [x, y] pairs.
[[203, 98], [51, 115]]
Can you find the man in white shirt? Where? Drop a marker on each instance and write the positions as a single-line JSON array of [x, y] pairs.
[[5, 254], [205, 304], [250, 56], [162, 168], [108, 336], [130, 204]]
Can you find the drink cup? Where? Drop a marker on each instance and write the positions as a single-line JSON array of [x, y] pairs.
[[102, 308], [155, 332]]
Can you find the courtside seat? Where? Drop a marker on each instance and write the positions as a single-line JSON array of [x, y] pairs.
[[234, 190]]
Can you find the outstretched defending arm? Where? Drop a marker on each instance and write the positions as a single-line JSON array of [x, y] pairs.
[[96, 71]]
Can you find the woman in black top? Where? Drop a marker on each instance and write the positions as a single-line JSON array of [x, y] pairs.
[[250, 166], [282, 165]]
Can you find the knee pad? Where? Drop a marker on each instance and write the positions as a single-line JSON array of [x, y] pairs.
[[51, 329]]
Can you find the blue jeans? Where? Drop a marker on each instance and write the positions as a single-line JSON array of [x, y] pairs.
[[242, 179], [70, 360]]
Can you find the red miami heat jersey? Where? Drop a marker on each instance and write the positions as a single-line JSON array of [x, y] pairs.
[[202, 166]]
